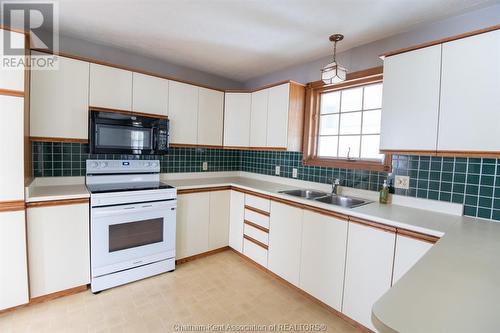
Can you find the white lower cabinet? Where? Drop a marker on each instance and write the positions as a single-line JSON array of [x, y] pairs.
[[236, 216], [370, 254], [324, 241], [14, 268], [218, 231], [408, 252], [58, 248], [285, 238], [193, 212]]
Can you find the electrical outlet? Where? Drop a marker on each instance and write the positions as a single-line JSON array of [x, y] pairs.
[[402, 182], [277, 170], [294, 173], [205, 166]]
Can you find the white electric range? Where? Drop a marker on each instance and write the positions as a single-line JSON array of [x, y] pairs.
[[132, 221]]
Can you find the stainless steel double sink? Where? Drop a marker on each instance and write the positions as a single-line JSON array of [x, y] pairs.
[[332, 199]]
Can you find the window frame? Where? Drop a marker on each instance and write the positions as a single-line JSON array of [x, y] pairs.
[[312, 117]]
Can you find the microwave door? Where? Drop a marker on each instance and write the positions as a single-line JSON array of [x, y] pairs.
[[125, 139]]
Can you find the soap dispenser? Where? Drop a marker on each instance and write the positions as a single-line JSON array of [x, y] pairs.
[[384, 193]]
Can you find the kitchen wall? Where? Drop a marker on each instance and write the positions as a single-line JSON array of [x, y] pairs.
[[367, 56], [474, 182]]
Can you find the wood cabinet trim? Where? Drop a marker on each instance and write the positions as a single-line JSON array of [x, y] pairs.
[[201, 255], [126, 112], [445, 153], [256, 194], [203, 189], [258, 211], [256, 242], [315, 209], [56, 139], [256, 226], [62, 202], [12, 205], [440, 41], [189, 145], [417, 235], [255, 148], [13, 93], [372, 224]]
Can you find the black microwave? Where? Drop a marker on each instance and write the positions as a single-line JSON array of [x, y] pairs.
[[127, 133]]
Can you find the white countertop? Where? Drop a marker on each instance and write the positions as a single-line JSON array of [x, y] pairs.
[[38, 193]]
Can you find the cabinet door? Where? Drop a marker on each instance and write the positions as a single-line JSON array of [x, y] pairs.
[[183, 113], [469, 118], [258, 118], [410, 100], [237, 119], [218, 232], [193, 213], [236, 216], [12, 78], [12, 147], [324, 241], [370, 254], [408, 252], [210, 117], [58, 248], [110, 87], [14, 277], [60, 97], [285, 238], [277, 116], [149, 94]]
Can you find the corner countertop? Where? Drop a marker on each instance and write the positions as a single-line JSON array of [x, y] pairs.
[[59, 188]]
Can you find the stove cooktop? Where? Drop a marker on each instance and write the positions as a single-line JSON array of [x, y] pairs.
[[126, 187]]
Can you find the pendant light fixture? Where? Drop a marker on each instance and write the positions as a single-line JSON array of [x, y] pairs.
[[333, 72]]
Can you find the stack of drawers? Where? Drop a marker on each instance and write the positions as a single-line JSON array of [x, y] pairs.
[[256, 228]]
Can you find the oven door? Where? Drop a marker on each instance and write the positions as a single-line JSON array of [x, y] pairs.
[[127, 236]]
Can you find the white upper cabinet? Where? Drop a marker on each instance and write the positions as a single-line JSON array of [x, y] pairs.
[[210, 116], [410, 103], [277, 116], [110, 87], [237, 119], [258, 118], [12, 79], [408, 252], [183, 113], [150, 94], [469, 118], [60, 97]]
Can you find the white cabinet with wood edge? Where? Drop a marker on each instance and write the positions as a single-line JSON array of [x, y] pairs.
[[410, 100], [59, 100], [410, 247], [193, 219], [236, 216], [210, 117], [368, 271], [110, 87], [278, 116], [149, 94], [256, 228], [12, 78], [324, 241], [14, 277], [58, 246], [218, 231], [469, 116], [285, 239], [258, 118], [237, 110], [183, 113]]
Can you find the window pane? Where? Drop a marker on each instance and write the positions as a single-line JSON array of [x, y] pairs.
[[330, 102], [349, 145], [373, 97], [371, 122], [329, 124], [370, 146], [327, 146], [350, 123], [352, 99]]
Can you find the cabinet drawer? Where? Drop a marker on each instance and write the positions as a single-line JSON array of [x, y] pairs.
[[257, 202], [256, 234], [255, 252], [257, 218]]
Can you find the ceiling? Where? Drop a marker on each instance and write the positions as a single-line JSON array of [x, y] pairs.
[[243, 39]]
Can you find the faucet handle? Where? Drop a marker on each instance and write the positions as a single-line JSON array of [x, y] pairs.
[[336, 181]]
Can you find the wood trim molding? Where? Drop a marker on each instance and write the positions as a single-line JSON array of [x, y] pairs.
[[372, 224], [417, 235], [13, 93], [311, 208], [55, 139], [258, 211], [12, 206], [58, 294], [441, 41], [255, 148], [256, 226], [446, 153], [203, 189], [188, 145], [57, 203], [201, 255], [127, 112], [249, 192], [256, 242]]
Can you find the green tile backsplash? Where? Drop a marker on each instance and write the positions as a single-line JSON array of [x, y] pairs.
[[474, 182]]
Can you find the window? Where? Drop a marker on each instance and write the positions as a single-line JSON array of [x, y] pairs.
[[342, 124]]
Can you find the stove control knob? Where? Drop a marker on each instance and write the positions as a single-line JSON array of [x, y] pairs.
[[147, 164], [104, 164], [94, 165], [154, 165]]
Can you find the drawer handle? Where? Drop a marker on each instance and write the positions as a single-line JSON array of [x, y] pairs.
[[256, 242], [259, 211], [256, 226]]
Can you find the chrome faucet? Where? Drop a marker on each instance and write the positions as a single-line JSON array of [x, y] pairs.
[[335, 186]]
